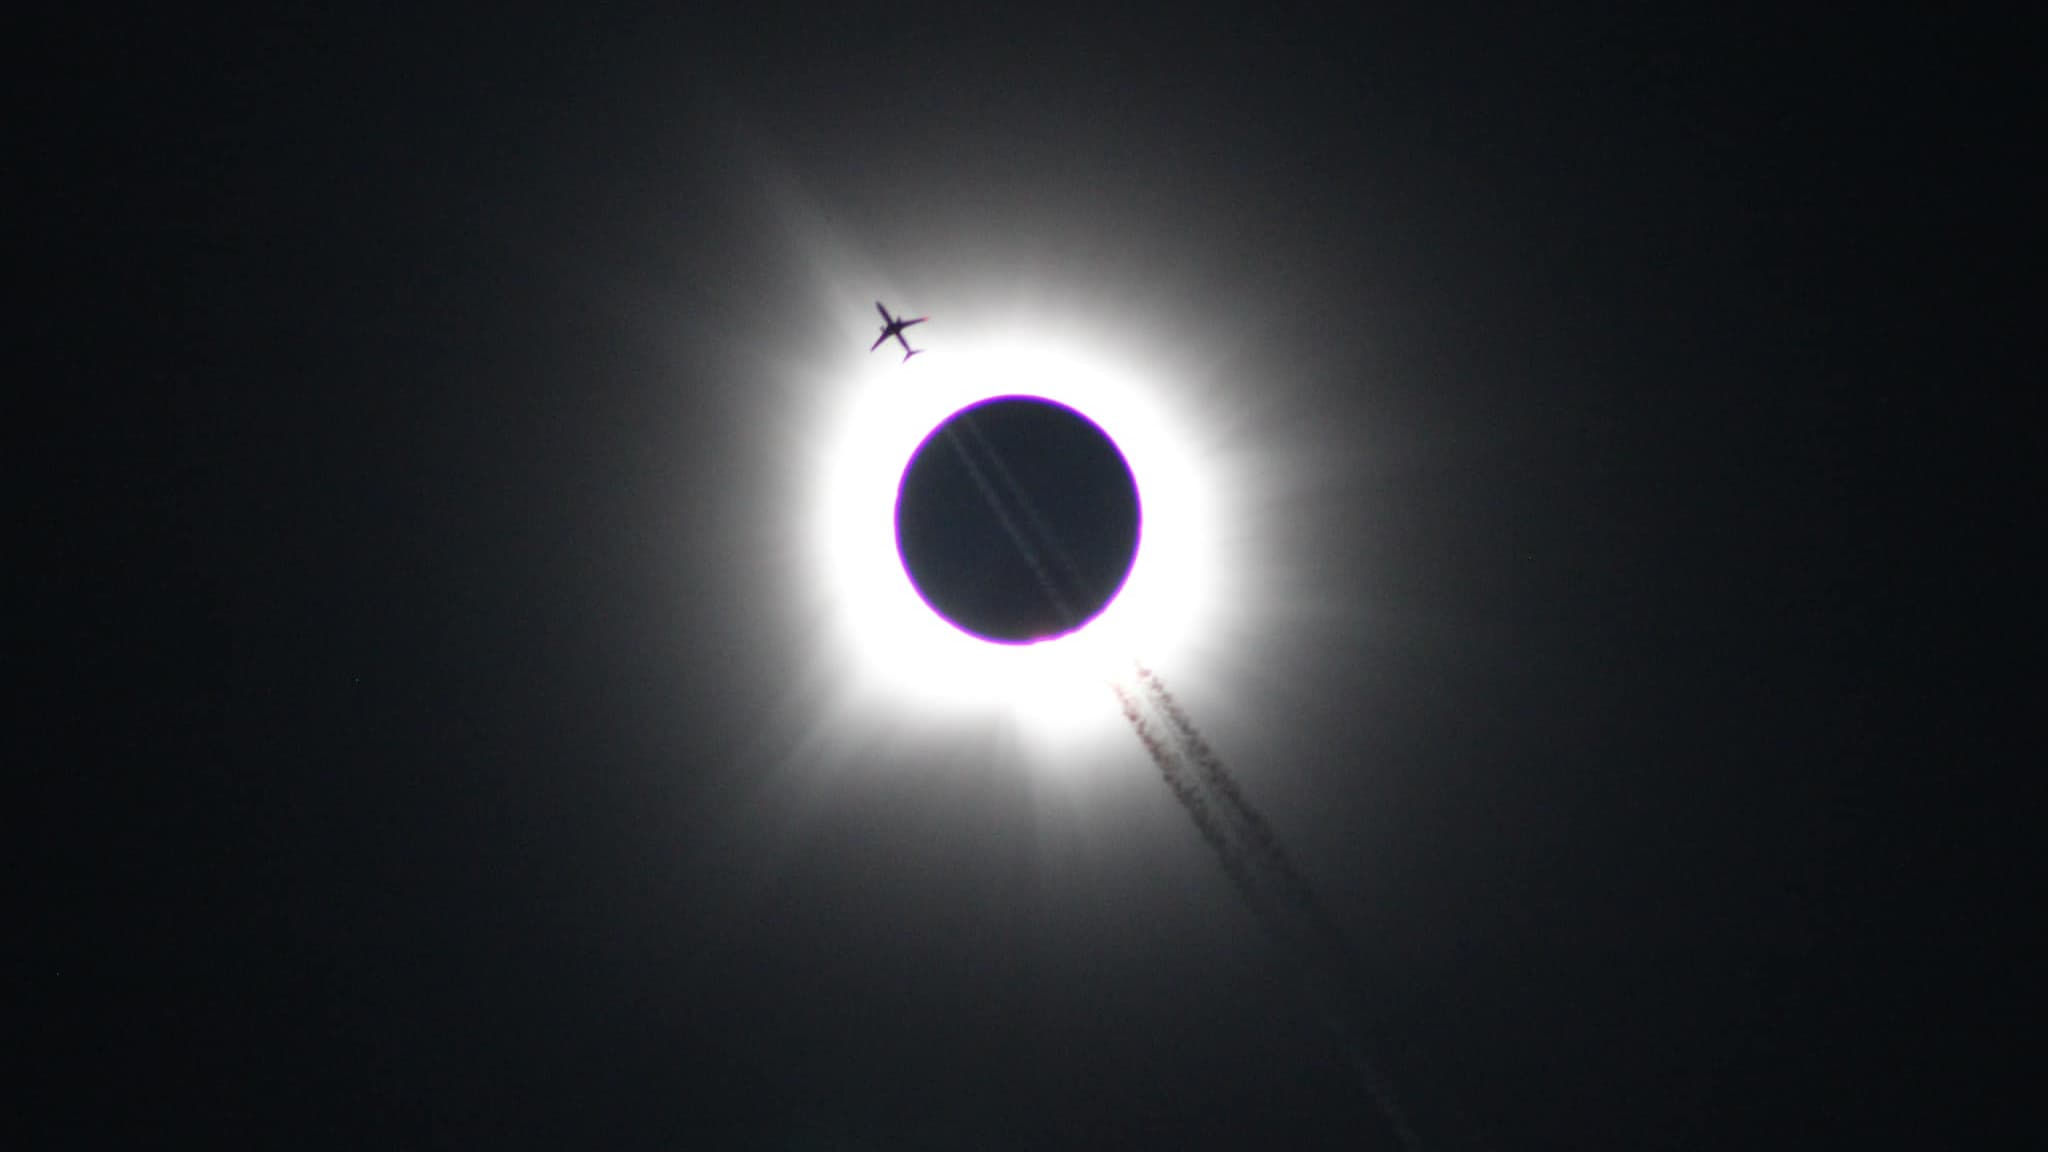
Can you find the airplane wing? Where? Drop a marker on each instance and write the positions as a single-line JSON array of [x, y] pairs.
[[919, 320], [878, 341]]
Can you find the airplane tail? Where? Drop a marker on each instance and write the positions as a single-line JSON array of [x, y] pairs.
[[909, 354]]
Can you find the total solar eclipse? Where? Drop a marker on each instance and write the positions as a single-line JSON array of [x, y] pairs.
[[1017, 520]]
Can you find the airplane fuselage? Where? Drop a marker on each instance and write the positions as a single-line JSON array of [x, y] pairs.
[[894, 326]]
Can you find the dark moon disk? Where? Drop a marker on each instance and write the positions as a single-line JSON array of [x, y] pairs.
[[1017, 519]]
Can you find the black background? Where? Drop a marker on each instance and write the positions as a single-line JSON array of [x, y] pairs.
[[419, 747]]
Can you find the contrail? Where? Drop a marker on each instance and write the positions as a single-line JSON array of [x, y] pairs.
[[1244, 840], [1256, 863], [1174, 772], [1028, 506], [1376, 1083], [1025, 547], [1251, 825], [1246, 846]]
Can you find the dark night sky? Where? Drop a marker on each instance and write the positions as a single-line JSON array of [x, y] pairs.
[[425, 741]]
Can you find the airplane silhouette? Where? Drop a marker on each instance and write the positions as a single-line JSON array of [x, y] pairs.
[[891, 326]]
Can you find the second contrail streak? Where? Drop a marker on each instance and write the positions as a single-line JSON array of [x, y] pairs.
[[1275, 866], [1174, 772], [1243, 840], [1259, 868]]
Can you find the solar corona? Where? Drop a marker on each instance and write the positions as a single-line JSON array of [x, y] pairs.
[[1019, 528], [931, 604]]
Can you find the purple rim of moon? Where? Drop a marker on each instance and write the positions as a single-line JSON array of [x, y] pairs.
[[1137, 529]]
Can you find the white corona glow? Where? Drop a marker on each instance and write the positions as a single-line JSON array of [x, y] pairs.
[[897, 643]]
